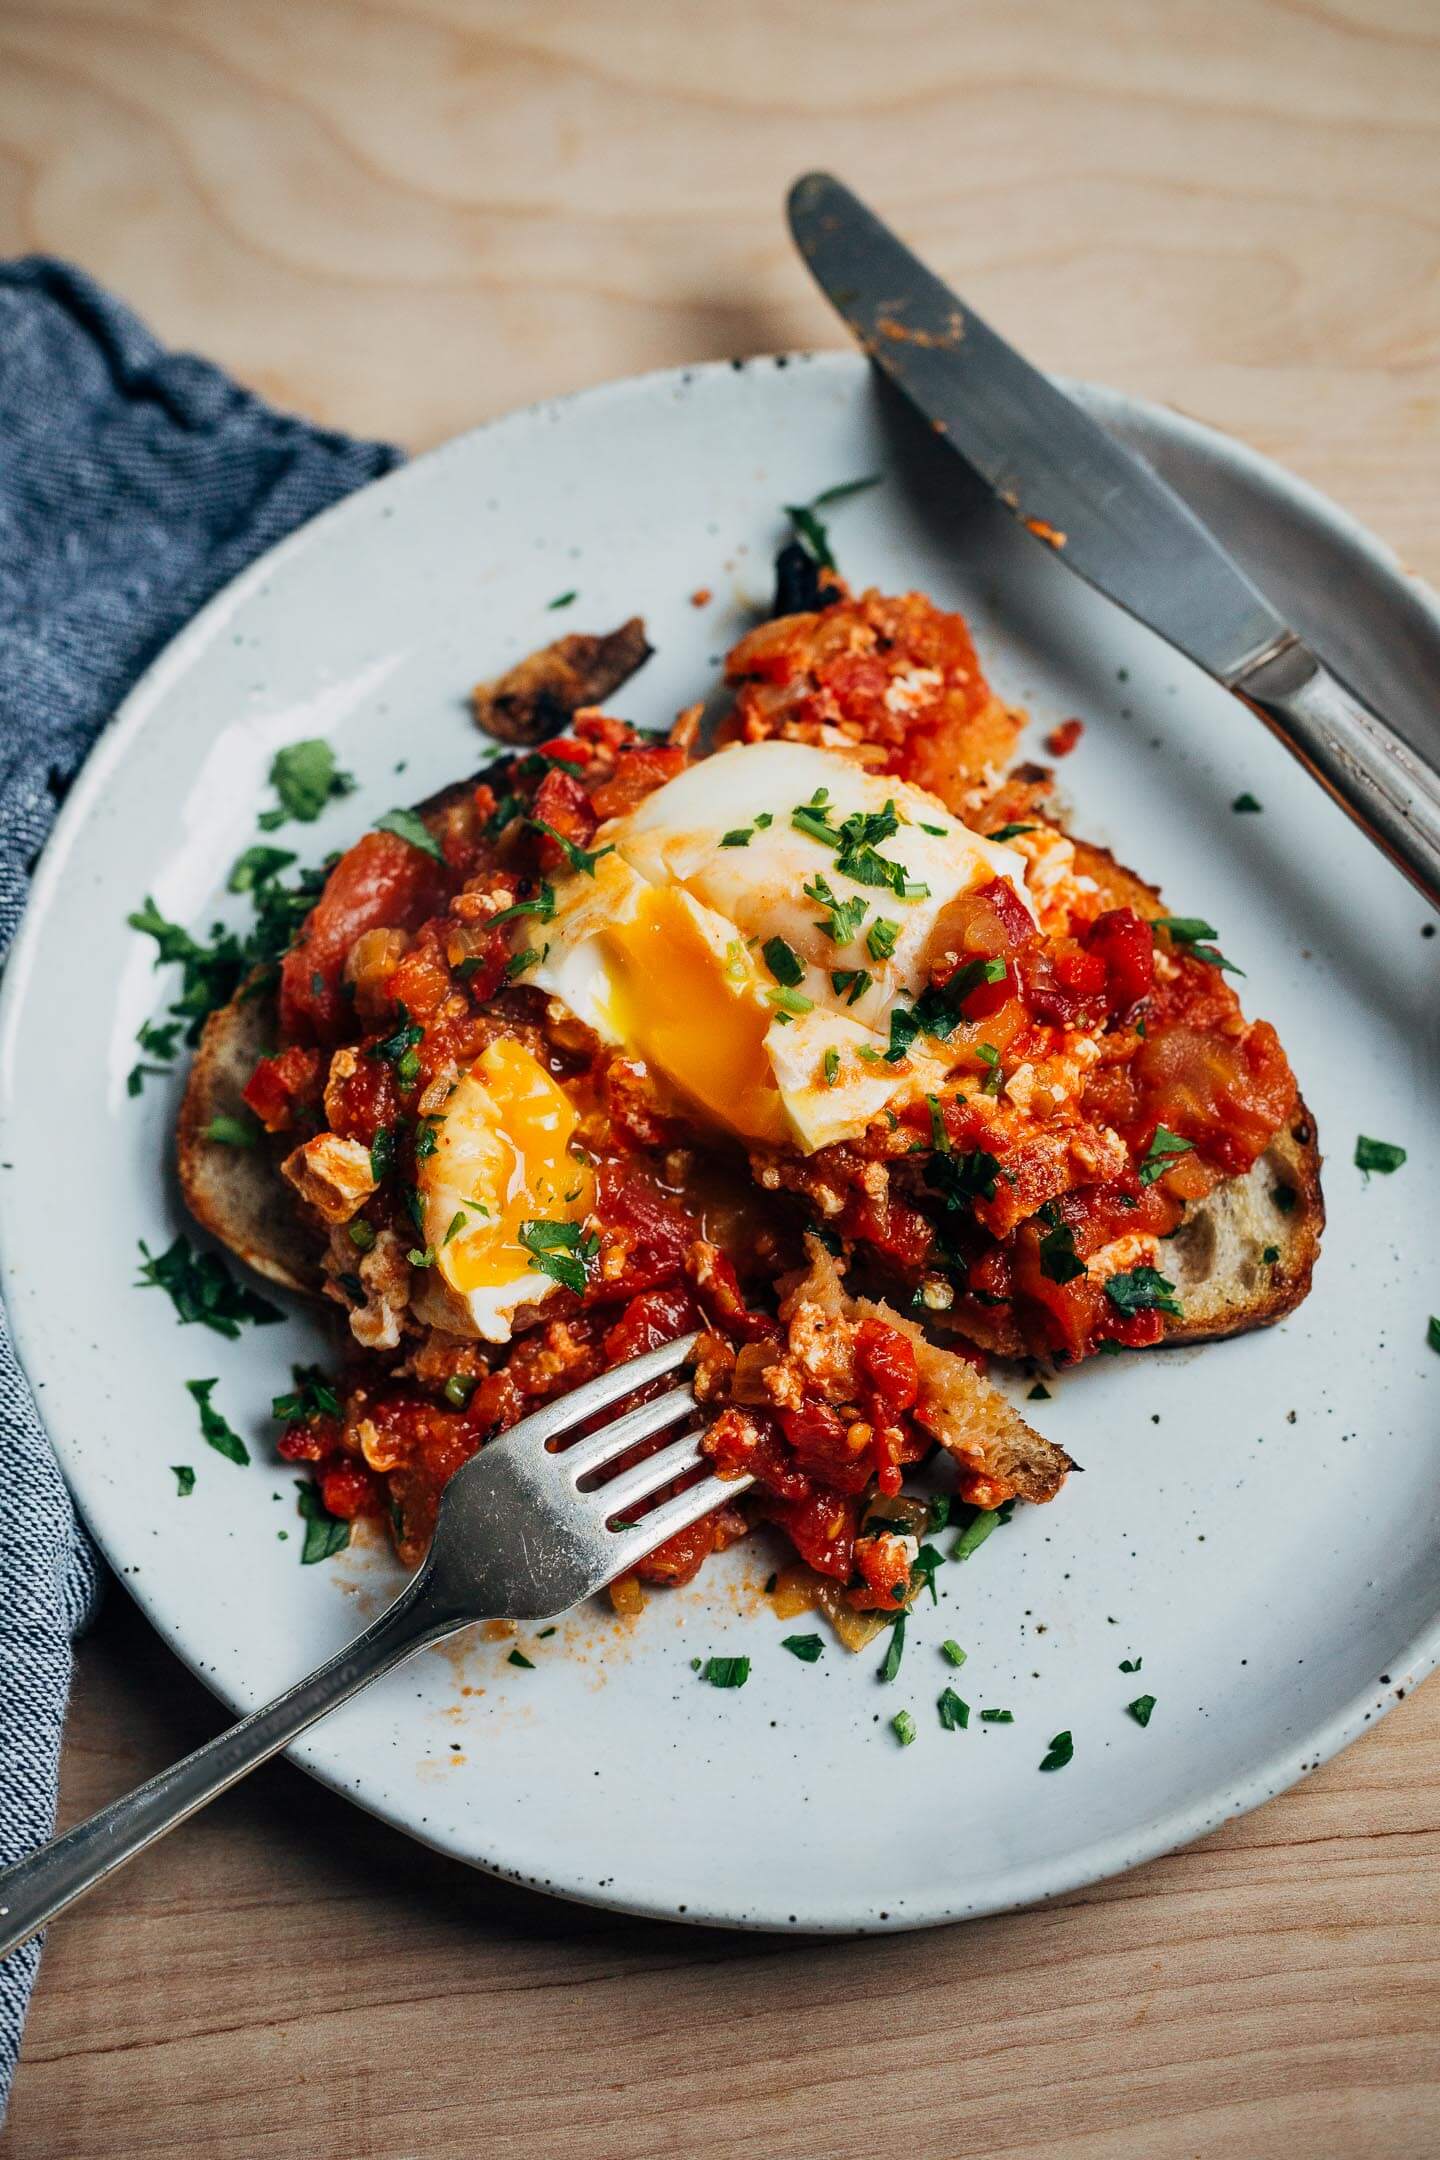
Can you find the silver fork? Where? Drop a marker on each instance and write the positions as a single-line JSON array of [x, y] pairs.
[[516, 1539]]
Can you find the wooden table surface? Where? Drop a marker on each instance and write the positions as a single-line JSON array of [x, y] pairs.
[[403, 216]]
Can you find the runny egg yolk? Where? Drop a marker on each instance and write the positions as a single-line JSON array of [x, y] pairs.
[[502, 1158], [687, 1001]]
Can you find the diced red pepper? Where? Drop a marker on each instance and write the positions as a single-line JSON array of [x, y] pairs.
[[380, 883], [1125, 943]]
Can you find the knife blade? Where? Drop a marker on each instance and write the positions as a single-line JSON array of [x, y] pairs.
[[1110, 517]]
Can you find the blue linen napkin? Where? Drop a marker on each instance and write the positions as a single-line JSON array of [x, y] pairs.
[[134, 483]]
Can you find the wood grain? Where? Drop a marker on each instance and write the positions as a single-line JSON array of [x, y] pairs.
[[403, 216]]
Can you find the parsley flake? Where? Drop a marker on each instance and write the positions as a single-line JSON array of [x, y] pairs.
[[895, 1650], [325, 1534], [954, 1711], [184, 1480], [1062, 1749], [409, 826], [305, 777], [805, 1647], [1381, 1155], [215, 1429], [558, 1249], [1143, 1289], [1164, 1149], [1140, 1710], [200, 1288], [783, 962], [726, 1672]]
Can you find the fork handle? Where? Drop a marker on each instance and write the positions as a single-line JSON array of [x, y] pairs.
[[35, 1889], [1392, 793]]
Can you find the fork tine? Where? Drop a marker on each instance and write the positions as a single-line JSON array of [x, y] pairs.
[[672, 1515], [599, 1448], [567, 1411], [642, 1478]]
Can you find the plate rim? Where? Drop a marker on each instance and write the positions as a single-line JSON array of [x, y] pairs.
[[1029, 1884]]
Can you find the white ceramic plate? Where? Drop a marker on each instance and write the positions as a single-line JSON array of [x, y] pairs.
[[1257, 1520]]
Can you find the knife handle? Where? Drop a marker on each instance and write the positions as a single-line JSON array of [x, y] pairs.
[[1392, 794]]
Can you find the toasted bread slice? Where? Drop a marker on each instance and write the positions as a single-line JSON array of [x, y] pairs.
[[1219, 1259], [238, 1194]]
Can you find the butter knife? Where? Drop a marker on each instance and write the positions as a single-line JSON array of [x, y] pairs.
[[1110, 518]]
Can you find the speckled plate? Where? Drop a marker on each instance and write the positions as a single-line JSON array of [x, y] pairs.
[[1257, 1520]]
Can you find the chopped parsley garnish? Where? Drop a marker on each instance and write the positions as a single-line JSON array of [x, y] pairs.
[[809, 531], [982, 1522], [382, 1153], [922, 1572], [458, 1390], [843, 917], [1140, 1710], [856, 842], [854, 980], [1194, 934], [184, 1480], [952, 1652], [394, 1048], [1059, 1261], [1011, 832], [419, 1258], [783, 962], [455, 1225], [939, 1138], [1131, 1664], [541, 906], [843, 489], [1038, 1393], [518, 1657], [831, 1066], [740, 837], [1432, 1332], [726, 1671], [157, 1040], [1246, 802], [961, 1180], [199, 1287], [579, 858], [938, 1512], [994, 1079], [937, 832], [894, 1650], [806, 1647], [518, 962], [256, 865], [216, 1431], [904, 1027], [232, 1132], [564, 599], [880, 938], [954, 1711], [559, 1250], [1270, 1255], [1163, 1151], [1061, 1750], [764, 819], [1143, 1289], [312, 1396], [1382, 1155], [408, 825], [903, 1727], [997, 1717], [325, 1534], [811, 534], [210, 974], [305, 777]]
